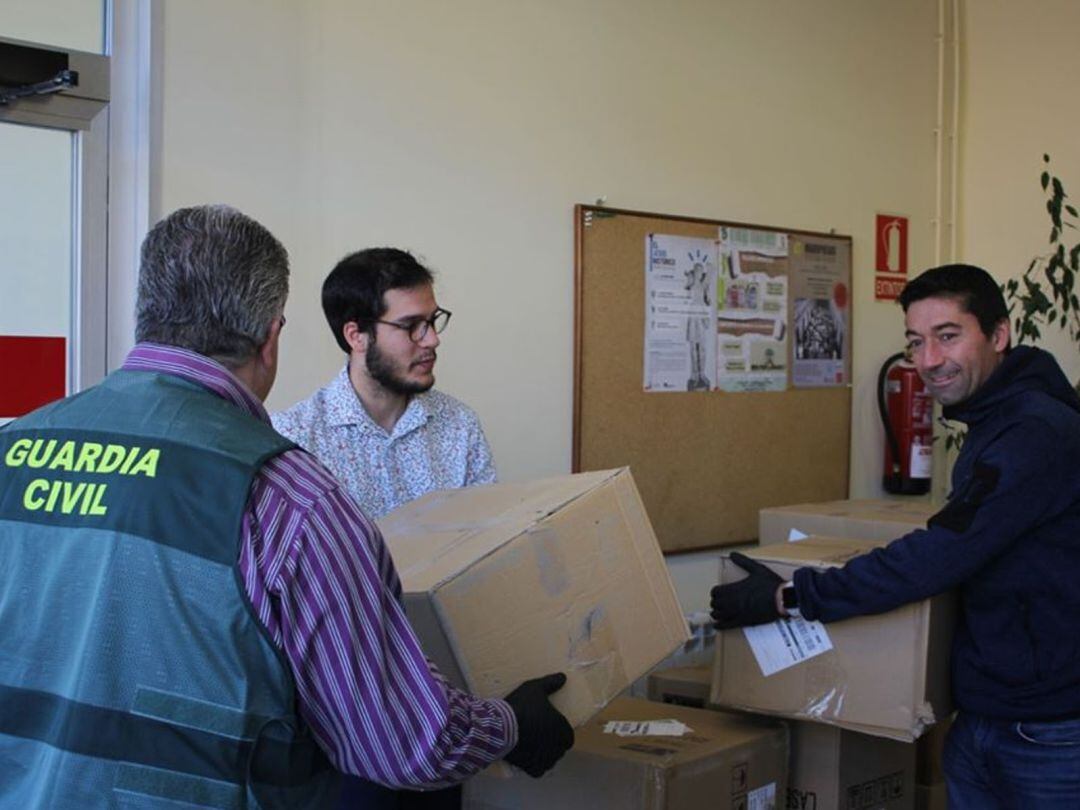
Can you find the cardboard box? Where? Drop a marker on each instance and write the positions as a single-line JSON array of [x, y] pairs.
[[931, 797], [725, 763], [882, 519], [834, 768], [829, 766], [681, 686], [929, 751], [512, 581], [885, 675]]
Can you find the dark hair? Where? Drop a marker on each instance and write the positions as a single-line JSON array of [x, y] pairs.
[[972, 286], [211, 280], [355, 289]]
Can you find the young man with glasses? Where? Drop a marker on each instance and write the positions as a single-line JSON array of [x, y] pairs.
[[379, 425]]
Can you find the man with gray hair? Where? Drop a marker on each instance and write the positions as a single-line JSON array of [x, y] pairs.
[[193, 609]]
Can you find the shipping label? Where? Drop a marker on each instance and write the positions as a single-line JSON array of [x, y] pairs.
[[786, 642]]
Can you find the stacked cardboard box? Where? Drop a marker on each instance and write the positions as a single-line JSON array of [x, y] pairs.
[[832, 767], [931, 797], [869, 519], [829, 767], [929, 774], [642, 755], [880, 519], [885, 675], [681, 686], [513, 581]]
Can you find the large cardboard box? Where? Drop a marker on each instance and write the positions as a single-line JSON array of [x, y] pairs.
[[881, 519], [832, 768], [723, 762], [885, 675], [681, 686], [929, 752], [513, 581], [931, 797], [829, 767]]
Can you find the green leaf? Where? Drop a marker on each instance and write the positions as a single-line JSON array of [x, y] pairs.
[[1045, 179], [1063, 321], [1046, 158], [1071, 210], [1074, 301]]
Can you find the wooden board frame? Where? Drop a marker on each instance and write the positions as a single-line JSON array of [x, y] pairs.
[[705, 462]]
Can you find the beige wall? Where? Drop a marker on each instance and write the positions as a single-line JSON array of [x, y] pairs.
[[466, 132], [1018, 102]]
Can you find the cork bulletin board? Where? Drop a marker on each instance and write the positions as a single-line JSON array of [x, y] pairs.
[[705, 461]]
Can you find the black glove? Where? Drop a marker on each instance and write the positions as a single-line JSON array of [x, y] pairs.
[[544, 735], [749, 601]]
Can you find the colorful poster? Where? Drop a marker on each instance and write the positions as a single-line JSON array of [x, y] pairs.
[[751, 293], [680, 313], [821, 319]]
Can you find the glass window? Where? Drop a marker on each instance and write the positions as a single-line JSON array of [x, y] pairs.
[[69, 24], [37, 266]]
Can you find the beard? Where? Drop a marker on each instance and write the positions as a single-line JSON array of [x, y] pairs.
[[388, 374]]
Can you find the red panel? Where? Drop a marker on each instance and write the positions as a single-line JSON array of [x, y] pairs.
[[33, 372], [891, 244]]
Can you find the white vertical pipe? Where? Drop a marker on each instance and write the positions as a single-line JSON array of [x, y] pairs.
[[939, 146], [954, 135]]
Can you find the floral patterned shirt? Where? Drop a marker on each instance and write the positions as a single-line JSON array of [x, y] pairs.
[[436, 444]]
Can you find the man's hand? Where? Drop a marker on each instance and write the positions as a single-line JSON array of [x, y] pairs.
[[749, 601], [544, 735]]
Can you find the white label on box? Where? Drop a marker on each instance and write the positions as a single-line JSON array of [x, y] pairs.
[[762, 798], [795, 535], [786, 642], [647, 728]]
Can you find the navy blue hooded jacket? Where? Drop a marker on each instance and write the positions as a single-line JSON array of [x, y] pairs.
[[1008, 540]]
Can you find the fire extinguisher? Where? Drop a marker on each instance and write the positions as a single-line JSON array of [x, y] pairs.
[[906, 413]]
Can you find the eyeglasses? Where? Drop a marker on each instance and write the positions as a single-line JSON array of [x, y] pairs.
[[418, 328]]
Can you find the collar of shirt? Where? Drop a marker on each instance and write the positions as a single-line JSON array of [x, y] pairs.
[[345, 408], [196, 368]]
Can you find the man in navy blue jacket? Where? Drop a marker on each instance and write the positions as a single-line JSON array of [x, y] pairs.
[[1008, 540]]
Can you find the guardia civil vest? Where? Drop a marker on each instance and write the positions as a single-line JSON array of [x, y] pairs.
[[133, 672]]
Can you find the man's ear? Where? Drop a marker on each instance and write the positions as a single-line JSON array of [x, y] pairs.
[[268, 351], [356, 337], [1002, 335]]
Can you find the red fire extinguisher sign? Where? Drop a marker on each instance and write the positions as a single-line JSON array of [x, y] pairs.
[[891, 244], [890, 256]]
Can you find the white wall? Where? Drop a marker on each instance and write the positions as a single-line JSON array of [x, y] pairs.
[[467, 131], [1018, 102]]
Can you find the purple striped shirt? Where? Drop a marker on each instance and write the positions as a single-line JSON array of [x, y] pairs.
[[322, 582]]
